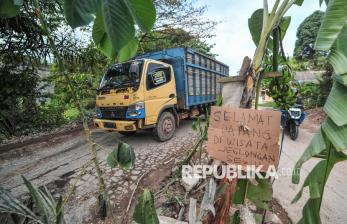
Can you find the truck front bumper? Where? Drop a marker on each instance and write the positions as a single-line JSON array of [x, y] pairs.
[[115, 125]]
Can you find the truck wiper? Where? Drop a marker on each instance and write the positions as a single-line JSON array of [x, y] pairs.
[[107, 86]]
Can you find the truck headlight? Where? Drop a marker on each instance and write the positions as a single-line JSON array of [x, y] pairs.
[[137, 106], [98, 112], [136, 110]]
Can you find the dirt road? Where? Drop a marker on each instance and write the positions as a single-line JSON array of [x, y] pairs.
[[56, 161]]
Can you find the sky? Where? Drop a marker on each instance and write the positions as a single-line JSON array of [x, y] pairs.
[[232, 38]]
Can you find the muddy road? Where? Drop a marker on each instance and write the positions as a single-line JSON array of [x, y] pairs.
[[56, 161]]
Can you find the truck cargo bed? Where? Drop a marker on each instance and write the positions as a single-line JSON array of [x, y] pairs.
[[195, 75]]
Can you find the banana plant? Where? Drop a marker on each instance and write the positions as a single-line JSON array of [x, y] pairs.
[[267, 30], [123, 156], [145, 212], [49, 210], [330, 142], [268, 21]]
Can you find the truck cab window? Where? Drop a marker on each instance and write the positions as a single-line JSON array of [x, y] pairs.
[[157, 75], [122, 76]]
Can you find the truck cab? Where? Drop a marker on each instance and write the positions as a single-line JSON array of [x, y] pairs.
[[156, 90], [133, 94]]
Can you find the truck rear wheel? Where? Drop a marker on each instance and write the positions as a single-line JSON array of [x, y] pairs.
[[165, 128]]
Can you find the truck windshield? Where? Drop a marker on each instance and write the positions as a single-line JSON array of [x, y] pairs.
[[122, 75]]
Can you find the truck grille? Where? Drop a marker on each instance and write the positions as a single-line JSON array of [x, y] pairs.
[[113, 112]]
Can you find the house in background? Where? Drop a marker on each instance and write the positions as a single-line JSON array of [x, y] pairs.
[[308, 76]]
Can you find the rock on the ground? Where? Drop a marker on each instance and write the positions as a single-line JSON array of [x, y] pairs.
[[189, 182], [168, 220], [272, 218]]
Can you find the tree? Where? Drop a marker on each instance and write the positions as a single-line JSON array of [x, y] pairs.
[[179, 23], [184, 15], [170, 38], [24, 51], [306, 36]]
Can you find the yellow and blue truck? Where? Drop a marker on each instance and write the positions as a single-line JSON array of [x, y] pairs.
[[156, 90]]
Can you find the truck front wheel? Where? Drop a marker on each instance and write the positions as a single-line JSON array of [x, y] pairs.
[[165, 128]]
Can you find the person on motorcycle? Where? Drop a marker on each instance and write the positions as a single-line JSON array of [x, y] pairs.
[[300, 104]]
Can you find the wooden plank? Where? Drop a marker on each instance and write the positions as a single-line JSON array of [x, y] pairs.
[[272, 74], [242, 78], [231, 79]]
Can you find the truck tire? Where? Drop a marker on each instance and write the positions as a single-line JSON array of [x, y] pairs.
[[165, 127]]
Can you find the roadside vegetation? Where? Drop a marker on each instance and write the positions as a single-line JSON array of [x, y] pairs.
[[35, 98]]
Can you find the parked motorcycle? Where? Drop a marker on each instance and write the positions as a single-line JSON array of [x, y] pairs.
[[291, 120]]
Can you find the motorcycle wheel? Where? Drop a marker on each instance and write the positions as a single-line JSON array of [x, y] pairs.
[[293, 131]]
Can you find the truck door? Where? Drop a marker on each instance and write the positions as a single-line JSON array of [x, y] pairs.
[[160, 90]]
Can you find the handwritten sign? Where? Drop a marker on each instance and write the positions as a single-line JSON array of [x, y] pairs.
[[244, 136]]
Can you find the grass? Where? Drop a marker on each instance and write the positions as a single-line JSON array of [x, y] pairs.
[[71, 114]]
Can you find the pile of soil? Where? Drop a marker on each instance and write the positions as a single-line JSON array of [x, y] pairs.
[[316, 115]]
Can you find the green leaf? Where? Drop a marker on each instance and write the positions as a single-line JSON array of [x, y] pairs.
[[100, 37], [255, 25], [118, 23], [341, 42], [317, 145], [240, 192], [112, 159], [338, 60], [9, 204], [260, 194], [145, 212], [284, 25], [333, 22], [342, 79], [311, 212], [38, 200], [9, 9], [336, 104], [143, 12], [129, 50], [336, 134], [60, 211], [219, 101], [315, 180], [299, 2], [125, 155], [80, 12], [338, 56]]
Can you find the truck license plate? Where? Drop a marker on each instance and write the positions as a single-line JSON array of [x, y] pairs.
[[109, 125]]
